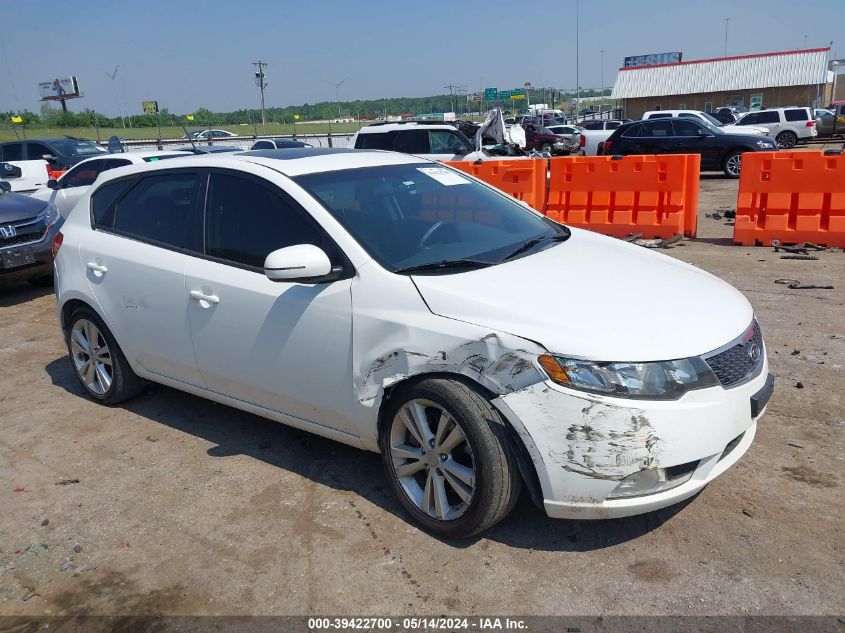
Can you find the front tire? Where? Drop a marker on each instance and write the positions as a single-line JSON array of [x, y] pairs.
[[448, 458], [786, 140], [732, 164], [97, 360]]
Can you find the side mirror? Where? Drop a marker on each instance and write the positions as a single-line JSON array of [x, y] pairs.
[[5, 186], [304, 263], [49, 158], [53, 184]]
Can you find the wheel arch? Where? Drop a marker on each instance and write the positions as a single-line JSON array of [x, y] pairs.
[[527, 467]]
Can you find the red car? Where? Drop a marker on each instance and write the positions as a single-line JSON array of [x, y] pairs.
[[544, 140]]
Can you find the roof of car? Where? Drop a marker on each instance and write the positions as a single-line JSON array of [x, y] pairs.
[[140, 155], [403, 125], [290, 162]]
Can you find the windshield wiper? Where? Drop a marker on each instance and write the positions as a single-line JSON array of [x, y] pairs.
[[528, 244], [444, 265]]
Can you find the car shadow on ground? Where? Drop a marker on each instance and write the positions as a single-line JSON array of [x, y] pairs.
[[342, 467], [15, 293]]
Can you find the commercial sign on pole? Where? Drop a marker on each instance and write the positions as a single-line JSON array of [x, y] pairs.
[[150, 107], [653, 59], [58, 89]]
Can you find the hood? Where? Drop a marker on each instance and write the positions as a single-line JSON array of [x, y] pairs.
[[596, 298], [746, 130], [14, 207]]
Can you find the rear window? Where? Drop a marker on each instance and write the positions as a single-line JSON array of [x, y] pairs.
[[798, 114]]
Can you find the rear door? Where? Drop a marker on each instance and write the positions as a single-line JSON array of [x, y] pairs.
[[283, 346], [656, 137], [146, 230]]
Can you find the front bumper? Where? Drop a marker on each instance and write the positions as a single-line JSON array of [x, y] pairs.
[[583, 445]]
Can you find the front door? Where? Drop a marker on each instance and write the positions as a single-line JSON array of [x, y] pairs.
[[280, 345]]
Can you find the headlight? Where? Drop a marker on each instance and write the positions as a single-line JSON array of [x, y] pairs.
[[662, 380], [765, 145], [50, 215]]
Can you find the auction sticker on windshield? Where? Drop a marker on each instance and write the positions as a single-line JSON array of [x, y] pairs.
[[443, 176]]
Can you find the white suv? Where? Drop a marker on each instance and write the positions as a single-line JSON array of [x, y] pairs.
[[400, 306], [787, 126], [727, 128], [435, 141]]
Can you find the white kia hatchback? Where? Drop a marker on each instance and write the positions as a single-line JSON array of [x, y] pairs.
[[400, 306]]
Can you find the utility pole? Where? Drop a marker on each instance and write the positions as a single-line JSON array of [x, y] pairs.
[[577, 55], [727, 22], [259, 81], [602, 77], [451, 95]]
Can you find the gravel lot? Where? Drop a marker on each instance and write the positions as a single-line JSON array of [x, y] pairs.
[[172, 504]]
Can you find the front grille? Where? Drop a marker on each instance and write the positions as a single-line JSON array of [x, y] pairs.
[[741, 361], [26, 232]]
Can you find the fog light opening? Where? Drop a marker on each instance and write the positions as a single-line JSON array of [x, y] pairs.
[[653, 480]]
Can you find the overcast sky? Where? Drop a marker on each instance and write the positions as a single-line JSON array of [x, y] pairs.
[[188, 55]]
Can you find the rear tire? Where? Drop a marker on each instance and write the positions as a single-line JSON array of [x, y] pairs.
[[786, 139], [732, 164], [97, 360], [456, 474]]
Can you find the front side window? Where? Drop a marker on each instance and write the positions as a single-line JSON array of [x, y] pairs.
[[162, 208], [247, 220], [82, 175], [37, 151], [445, 142], [415, 215], [685, 127]]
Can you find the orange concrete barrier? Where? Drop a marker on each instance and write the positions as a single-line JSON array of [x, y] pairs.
[[523, 179], [653, 195], [792, 197]]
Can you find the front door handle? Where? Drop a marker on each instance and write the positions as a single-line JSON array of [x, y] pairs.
[[98, 269], [201, 297]]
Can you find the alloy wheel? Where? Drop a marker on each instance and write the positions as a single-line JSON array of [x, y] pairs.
[[734, 164], [432, 459], [91, 356]]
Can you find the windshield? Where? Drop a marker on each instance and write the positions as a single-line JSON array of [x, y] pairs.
[[712, 120], [407, 216], [78, 148]]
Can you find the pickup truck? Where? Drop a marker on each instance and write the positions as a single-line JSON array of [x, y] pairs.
[[25, 175], [595, 133]]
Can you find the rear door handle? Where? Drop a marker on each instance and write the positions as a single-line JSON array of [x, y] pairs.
[[97, 269], [200, 296]]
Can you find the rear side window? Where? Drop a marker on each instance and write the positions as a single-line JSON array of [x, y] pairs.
[[375, 141], [657, 129], [247, 220], [161, 209], [798, 114], [412, 142], [660, 115], [767, 116], [612, 125], [12, 151], [103, 201], [634, 130]]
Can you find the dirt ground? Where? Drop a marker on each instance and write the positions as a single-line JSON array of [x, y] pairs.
[[170, 504]]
